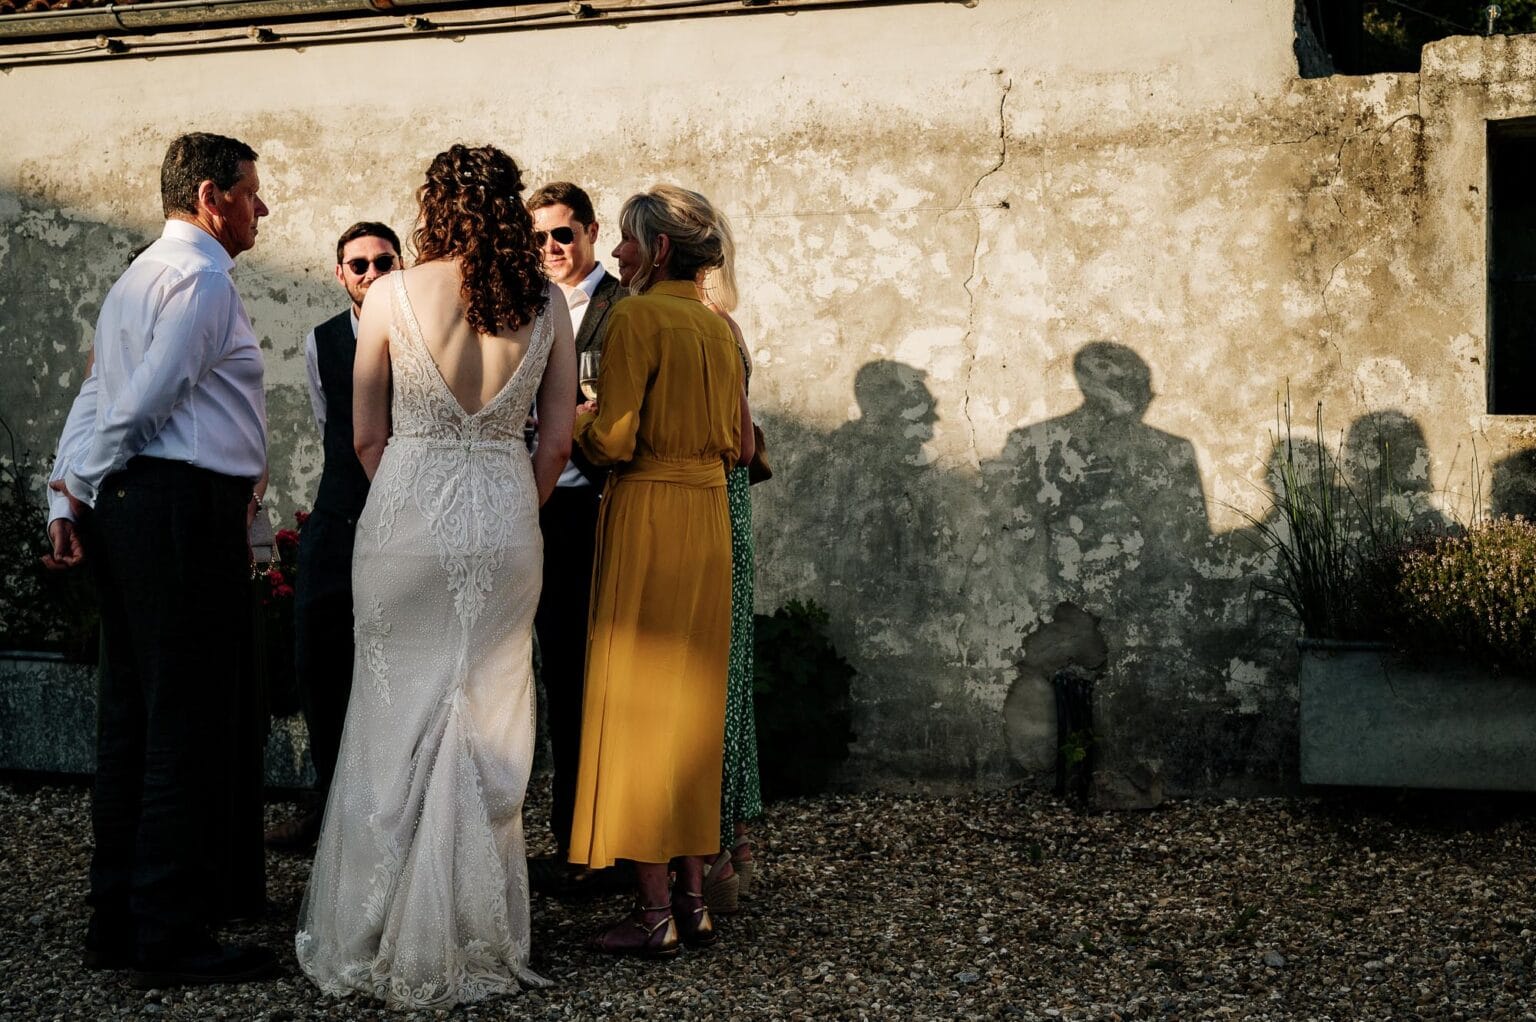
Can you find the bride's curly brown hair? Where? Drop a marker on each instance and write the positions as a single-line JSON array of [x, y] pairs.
[[472, 210]]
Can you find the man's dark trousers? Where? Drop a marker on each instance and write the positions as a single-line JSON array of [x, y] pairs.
[[569, 522], [322, 635], [176, 809], [322, 610]]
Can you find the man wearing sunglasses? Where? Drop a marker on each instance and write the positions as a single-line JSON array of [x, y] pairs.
[[565, 229], [322, 611]]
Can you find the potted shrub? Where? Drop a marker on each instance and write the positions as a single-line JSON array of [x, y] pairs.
[[801, 685], [44, 614], [1418, 647], [48, 643]]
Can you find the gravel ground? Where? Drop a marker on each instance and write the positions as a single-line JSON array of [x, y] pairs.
[[1001, 905]]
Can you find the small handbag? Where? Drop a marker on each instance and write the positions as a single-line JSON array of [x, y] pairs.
[[758, 469]]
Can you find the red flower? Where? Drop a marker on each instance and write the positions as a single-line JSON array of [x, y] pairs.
[[300, 517], [283, 592], [287, 541], [275, 577]]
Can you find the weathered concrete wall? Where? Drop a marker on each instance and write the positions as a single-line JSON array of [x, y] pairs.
[[1024, 282]]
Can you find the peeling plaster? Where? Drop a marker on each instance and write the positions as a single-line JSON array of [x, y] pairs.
[[1022, 290]]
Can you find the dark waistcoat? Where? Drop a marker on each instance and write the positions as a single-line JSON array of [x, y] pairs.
[[343, 486]]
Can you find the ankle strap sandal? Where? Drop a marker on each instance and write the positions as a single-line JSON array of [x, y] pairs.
[[632, 935]]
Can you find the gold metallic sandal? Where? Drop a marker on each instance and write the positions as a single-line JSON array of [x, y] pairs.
[[693, 920], [632, 935]]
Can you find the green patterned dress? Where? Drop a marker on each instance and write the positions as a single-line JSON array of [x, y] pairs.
[[741, 797]]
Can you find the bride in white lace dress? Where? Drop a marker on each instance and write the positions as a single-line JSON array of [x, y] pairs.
[[419, 893]]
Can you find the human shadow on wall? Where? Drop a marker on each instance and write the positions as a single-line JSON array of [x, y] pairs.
[[1108, 488], [1513, 487], [1386, 463], [1377, 483], [862, 523], [882, 530], [1108, 518]]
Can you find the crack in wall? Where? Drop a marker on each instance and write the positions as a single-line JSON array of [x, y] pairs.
[[1328, 313], [968, 341]]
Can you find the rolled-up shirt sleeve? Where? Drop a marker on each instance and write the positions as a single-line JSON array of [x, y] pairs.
[[77, 431], [191, 327]]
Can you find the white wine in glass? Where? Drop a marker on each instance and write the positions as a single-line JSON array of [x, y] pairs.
[[588, 375]]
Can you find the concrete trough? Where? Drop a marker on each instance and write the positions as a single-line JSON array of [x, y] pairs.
[[1370, 717], [48, 722]]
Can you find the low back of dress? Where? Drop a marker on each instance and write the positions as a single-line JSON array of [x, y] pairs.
[[419, 890], [468, 473]]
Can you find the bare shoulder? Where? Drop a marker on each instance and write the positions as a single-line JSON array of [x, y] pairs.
[[376, 301], [430, 278]]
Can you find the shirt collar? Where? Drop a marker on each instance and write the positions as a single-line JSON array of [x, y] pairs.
[[207, 244], [675, 288], [590, 281]]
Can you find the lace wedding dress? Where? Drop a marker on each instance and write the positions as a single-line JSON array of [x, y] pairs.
[[419, 893]]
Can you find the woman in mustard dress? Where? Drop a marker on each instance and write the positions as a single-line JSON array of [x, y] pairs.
[[671, 417]]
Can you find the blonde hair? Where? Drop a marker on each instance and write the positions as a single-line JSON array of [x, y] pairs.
[[701, 239]]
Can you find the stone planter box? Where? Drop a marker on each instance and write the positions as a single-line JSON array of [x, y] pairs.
[[1372, 718], [48, 722]]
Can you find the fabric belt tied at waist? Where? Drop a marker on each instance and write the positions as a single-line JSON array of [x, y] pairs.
[[704, 474]]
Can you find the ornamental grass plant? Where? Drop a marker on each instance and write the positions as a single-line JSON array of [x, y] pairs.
[[1335, 542], [1353, 558]]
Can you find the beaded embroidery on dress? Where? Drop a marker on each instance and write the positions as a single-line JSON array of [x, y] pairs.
[[419, 892]]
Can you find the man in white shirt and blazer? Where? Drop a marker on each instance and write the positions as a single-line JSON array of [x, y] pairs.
[[154, 486], [565, 229]]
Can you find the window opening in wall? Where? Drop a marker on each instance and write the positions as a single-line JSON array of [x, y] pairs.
[[1512, 267], [1362, 37]]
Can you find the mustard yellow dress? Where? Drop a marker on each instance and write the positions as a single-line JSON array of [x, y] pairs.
[[669, 421]]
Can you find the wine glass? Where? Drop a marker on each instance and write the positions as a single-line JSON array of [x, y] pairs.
[[588, 375]]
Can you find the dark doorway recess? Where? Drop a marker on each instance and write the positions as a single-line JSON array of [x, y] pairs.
[[1512, 267]]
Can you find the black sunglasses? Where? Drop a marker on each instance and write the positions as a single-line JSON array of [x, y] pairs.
[[562, 235], [359, 266]]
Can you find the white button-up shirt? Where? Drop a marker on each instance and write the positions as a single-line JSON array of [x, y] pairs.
[[178, 372], [312, 371], [579, 298]]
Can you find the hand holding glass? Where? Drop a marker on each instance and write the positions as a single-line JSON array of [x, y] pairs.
[[588, 375]]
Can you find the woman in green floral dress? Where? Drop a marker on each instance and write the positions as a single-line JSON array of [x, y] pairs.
[[741, 797]]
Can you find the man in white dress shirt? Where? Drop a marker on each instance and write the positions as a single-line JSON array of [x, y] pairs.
[[322, 609], [565, 229], [154, 486]]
